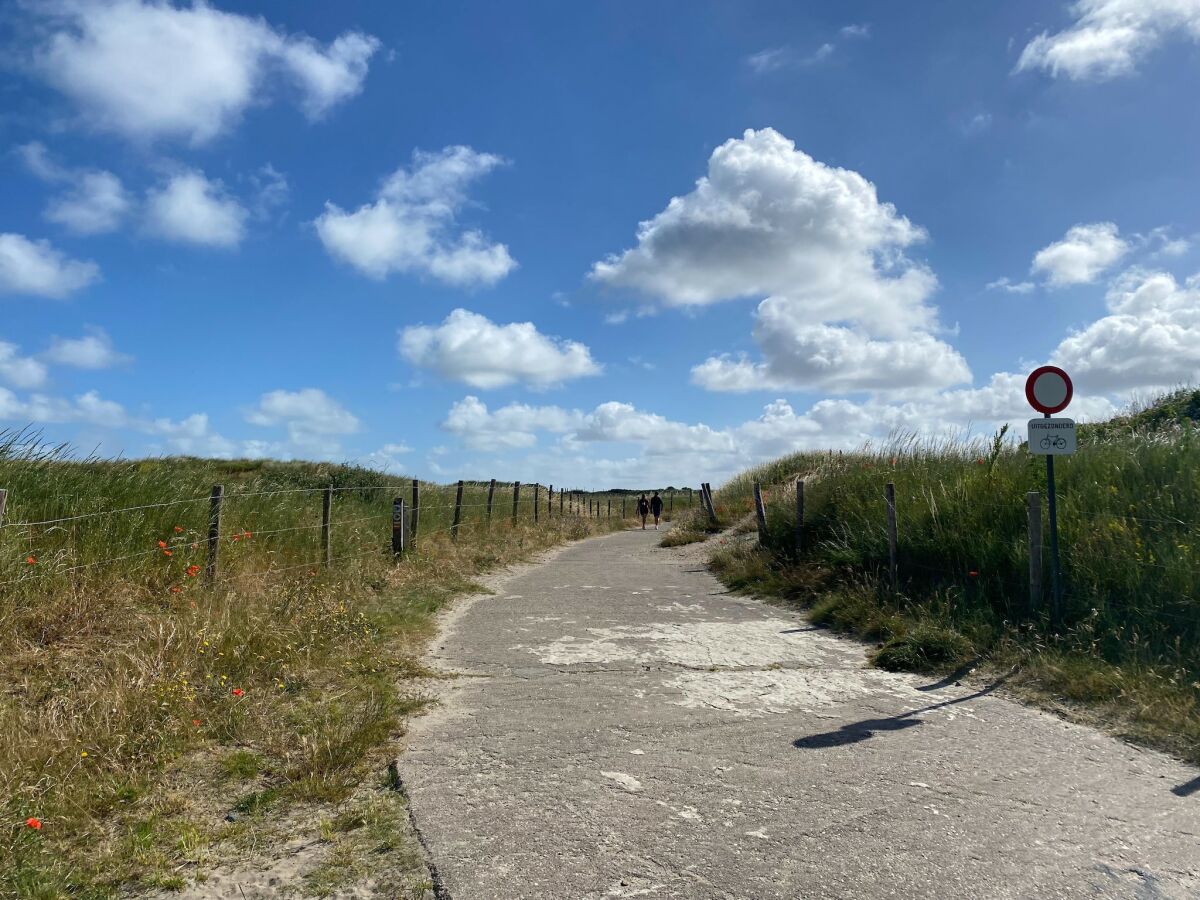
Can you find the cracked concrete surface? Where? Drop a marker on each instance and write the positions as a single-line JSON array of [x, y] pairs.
[[632, 730]]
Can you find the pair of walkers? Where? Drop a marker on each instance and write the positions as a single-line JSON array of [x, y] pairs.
[[653, 506]]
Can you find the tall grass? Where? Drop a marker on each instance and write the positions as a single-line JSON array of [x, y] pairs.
[[1129, 518], [138, 705]]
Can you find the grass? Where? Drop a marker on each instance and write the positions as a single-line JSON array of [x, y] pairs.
[[138, 706], [1128, 646]]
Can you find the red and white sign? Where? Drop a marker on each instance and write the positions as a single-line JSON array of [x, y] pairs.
[[1048, 389]]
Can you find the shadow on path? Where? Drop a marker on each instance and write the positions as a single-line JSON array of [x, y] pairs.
[[860, 731], [956, 675], [1188, 787]]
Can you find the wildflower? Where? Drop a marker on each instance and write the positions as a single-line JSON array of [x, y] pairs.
[[178, 529], [30, 560], [162, 544], [979, 461], [193, 571], [237, 537], [247, 535], [166, 553], [973, 574], [237, 692], [83, 754], [196, 722], [34, 822], [175, 589]]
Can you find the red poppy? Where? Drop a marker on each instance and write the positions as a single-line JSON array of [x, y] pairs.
[[175, 589], [193, 571], [247, 535], [237, 537], [162, 544], [166, 553], [237, 692], [34, 822], [30, 560], [178, 529], [973, 574], [196, 722]]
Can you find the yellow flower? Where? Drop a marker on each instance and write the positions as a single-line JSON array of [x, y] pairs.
[[83, 754]]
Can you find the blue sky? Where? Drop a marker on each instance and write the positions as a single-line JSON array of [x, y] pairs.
[[408, 234]]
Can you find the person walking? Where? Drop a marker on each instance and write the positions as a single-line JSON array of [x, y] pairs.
[[656, 508], [643, 509]]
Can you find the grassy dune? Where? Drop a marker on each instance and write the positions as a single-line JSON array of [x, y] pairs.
[[1128, 648], [140, 707]]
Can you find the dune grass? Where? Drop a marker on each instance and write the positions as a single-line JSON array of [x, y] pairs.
[[1129, 515], [141, 707]]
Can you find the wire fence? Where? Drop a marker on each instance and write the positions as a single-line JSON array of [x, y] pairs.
[[214, 538]]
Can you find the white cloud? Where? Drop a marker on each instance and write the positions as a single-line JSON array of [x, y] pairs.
[[1011, 287], [94, 350], [191, 209], [802, 356], [312, 417], [512, 426], [977, 124], [769, 60], [856, 31], [769, 219], [1081, 256], [470, 348], [38, 269], [153, 69], [1150, 340], [20, 371], [387, 458], [1109, 37], [89, 408], [411, 226], [193, 436], [93, 201]]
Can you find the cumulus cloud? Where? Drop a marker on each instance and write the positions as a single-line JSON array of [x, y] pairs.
[[412, 224], [148, 69], [20, 371], [1150, 340], [193, 436], [512, 426], [770, 219], [1110, 37], [36, 268], [88, 408], [1081, 256], [189, 208], [312, 418], [93, 201], [1011, 287], [94, 350], [798, 355], [470, 348]]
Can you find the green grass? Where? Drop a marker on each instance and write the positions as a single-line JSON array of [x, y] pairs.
[[138, 705], [1129, 514]]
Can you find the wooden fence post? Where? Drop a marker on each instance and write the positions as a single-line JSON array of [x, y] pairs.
[[624, 514], [760, 512], [670, 503], [516, 499], [326, 515], [1033, 506], [415, 514], [458, 510], [535, 502], [491, 493], [550, 501], [399, 526], [799, 515], [3, 503], [706, 496], [214, 532], [610, 507], [560, 504], [890, 494]]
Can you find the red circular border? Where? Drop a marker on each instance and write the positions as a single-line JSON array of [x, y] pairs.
[[1033, 376]]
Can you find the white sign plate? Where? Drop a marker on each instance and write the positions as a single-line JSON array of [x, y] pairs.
[[1051, 437]]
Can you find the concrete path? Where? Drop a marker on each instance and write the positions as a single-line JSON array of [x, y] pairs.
[[625, 728]]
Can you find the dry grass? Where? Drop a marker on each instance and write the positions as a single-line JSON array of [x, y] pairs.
[[140, 707]]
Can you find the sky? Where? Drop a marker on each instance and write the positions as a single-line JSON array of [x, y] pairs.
[[593, 244]]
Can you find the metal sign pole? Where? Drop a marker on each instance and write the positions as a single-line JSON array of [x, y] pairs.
[[1055, 571]]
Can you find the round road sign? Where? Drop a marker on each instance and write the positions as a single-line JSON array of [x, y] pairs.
[[1048, 389]]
